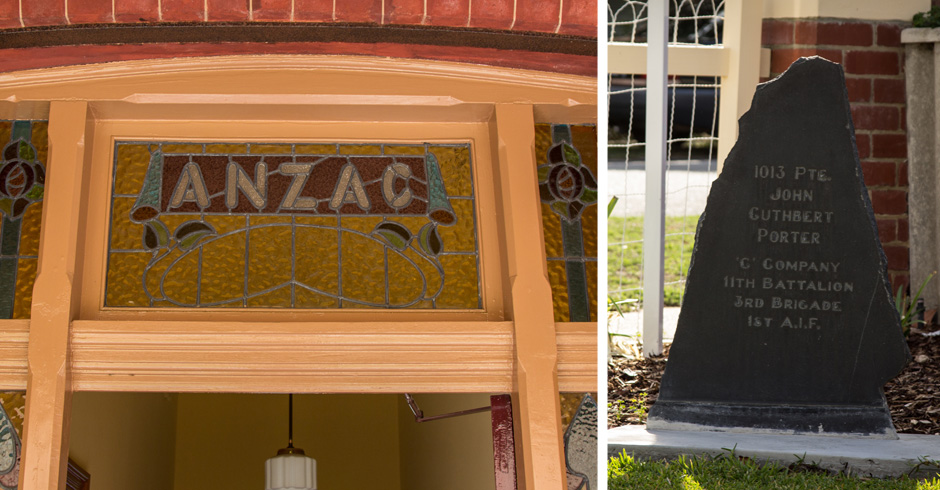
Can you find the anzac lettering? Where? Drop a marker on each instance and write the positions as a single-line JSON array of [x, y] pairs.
[[312, 185]]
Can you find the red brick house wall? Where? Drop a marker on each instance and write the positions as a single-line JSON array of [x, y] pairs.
[[575, 18], [873, 59], [549, 35]]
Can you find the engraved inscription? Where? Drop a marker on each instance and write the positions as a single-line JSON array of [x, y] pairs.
[[779, 286]]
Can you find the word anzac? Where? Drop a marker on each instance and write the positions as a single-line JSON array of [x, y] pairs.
[[293, 184]]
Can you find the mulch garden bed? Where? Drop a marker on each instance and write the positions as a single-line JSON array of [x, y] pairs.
[[913, 396]]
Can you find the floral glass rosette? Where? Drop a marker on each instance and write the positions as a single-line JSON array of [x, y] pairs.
[[22, 178], [565, 184]]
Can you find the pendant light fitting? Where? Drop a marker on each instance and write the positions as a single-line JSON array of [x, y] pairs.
[[291, 469]]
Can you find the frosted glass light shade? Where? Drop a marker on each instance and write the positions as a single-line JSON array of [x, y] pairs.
[[290, 472]]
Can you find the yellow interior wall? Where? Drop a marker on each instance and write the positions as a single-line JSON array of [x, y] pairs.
[[197, 441], [451, 454], [124, 440], [223, 440]]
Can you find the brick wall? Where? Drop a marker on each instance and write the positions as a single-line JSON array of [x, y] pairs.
[[549, 35], [552, 16], [873, 60]]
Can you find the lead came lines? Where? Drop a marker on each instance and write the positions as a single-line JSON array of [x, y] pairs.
[[400, 192]]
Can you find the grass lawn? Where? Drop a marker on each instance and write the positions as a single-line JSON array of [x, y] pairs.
[[625, 256], [729, 472]]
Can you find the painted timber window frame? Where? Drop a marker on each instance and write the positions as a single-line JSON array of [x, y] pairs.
[[73, 343], [272, 132]]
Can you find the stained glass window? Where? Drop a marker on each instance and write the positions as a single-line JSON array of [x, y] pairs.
[[566, 156], [22, 180], [579, 424], [293, 226], [12, 412]]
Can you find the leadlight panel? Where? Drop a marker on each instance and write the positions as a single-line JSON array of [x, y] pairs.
[[579, 425], [12, 413], [566, 156], [292, 225], [22, 183]]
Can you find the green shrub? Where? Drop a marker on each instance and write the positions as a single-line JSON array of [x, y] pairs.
[[930, 18]]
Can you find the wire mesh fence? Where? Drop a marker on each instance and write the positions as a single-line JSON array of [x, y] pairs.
[[690, 21], [691, 165]]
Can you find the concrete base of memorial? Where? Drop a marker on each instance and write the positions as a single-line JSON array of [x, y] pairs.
[[820, 420], [864, 457]]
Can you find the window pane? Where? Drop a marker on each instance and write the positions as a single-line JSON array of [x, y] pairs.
[[283, 225]]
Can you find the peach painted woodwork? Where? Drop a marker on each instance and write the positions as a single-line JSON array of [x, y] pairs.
[[535, 393], [55, 304], [510, 344], [14, 338], [387, 131]]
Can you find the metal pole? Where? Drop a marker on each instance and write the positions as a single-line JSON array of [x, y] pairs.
[[290, 420], [654, 221], [419, 414]]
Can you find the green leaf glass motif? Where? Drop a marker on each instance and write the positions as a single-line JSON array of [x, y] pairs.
[[430, 240], [156, 235], [571, 155], [394, 233], [188, 234]]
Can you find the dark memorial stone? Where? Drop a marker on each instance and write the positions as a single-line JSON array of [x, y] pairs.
[[788, 324]]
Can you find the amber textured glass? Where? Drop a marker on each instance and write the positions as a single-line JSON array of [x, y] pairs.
[[566, 159], [22, 186], [293, 225]]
